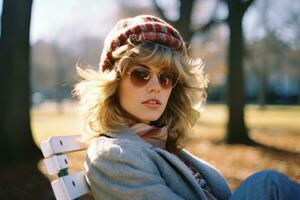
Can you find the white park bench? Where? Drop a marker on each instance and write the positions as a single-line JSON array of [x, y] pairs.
[[66, 186]]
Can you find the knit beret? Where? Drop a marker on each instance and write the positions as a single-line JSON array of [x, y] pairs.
[[138, 29]]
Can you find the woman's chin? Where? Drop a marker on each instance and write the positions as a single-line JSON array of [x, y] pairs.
[[148, 120]]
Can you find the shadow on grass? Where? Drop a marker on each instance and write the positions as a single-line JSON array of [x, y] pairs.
[[276, 150], [265, 147]]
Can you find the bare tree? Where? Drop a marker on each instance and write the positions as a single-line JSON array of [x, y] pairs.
[[16, 140], [273, 53], [266, 56], [236, 128]]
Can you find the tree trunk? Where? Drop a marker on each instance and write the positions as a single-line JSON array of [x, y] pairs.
[[183, 24], [236, 128], [263, 85], [16, 142], [299, 88]]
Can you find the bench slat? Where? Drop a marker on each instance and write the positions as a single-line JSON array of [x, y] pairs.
[[61, 144], [70, 187], [56, 163]]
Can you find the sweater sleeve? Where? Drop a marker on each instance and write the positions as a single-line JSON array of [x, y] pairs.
[[124, 171]]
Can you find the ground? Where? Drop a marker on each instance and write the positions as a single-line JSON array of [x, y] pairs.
[[276, 127]]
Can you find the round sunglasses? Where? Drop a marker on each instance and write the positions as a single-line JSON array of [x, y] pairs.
[[140, 76]]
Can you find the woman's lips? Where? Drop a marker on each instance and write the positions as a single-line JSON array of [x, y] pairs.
[[152, 103]]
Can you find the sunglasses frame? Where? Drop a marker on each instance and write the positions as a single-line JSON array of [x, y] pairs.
[[145, 81]]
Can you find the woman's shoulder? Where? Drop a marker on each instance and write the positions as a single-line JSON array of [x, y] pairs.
[[106, 143], [121, 150]]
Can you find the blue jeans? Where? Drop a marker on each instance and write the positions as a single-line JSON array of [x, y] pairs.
[[267, 185]]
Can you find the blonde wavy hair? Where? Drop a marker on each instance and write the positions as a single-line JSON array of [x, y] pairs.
[[97, 92]]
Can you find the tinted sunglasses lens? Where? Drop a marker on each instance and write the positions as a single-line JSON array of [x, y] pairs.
[[167, 79], [140, 76]]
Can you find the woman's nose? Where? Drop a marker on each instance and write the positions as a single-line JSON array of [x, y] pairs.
[[154, 85]]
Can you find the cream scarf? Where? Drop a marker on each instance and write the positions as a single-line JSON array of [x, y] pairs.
[[151, 134]]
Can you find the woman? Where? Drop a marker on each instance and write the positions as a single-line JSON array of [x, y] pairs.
[[138, 107]]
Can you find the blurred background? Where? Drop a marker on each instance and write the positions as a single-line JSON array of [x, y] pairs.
[[62, 34], [251, 51]]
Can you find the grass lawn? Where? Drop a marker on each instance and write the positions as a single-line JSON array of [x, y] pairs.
[[268, 126]]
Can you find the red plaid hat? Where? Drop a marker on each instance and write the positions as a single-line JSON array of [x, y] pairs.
[[138, 29]]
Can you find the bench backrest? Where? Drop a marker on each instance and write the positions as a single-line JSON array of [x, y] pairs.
[[67, 186]]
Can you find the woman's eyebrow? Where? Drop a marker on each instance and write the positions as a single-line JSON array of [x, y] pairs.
[[144, 65], [160, 68], [135, 65]]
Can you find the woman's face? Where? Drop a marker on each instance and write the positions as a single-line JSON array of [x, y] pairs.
[[145, 101]]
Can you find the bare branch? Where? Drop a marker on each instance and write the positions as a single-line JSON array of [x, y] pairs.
[[213, 20], [213, 13], [224, 1], [160, 11], [246, 5], [211, 23]]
